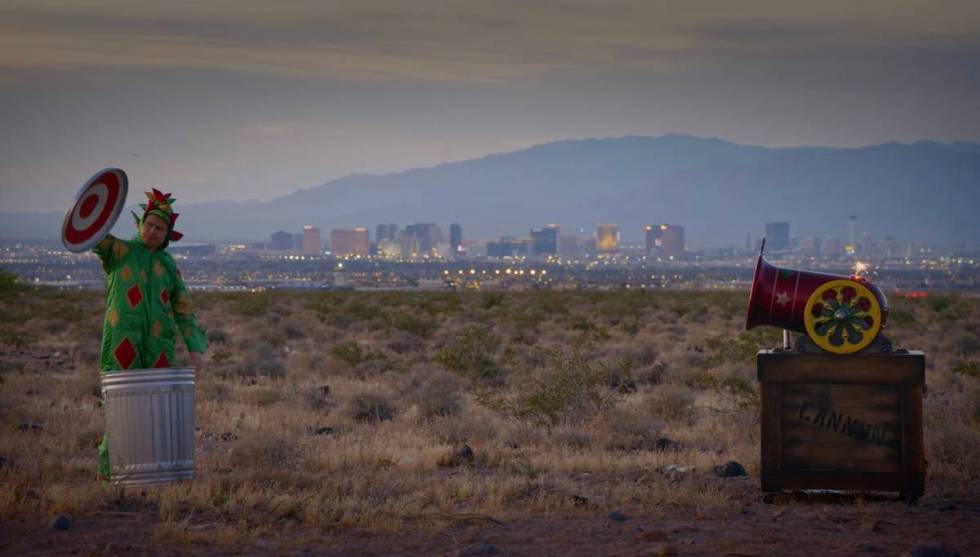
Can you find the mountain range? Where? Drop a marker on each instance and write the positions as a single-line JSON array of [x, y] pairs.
[[925, 192]]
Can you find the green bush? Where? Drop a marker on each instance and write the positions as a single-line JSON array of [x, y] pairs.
[[371, 407], [412, 324], [12, 337], [568, 395], [262, 360], [470, 352], [361, 310], [740, 349], [252, 304], [490, 300], [348, 352], [438, 397], [672, 403], [217, 336], [968, 368], [8, 284]]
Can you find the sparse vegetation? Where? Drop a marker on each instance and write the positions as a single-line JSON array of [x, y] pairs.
[[337, 408]]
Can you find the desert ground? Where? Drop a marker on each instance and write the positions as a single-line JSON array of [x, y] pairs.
[[466, 423]]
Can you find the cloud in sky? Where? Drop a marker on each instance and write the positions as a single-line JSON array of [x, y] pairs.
[[254, 99]]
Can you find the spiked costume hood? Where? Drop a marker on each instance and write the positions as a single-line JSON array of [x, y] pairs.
[[161, 205]]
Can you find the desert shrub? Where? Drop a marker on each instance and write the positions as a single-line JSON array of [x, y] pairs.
[[273, 337], [552, 303], [88, 439], [293, 331], [741, 390], [629, 325], [8, 284], [490, 300], [963, 342], [12, 337], [567, 395], [439, 303], [262, 360], [628, 430], [901, 318], [370, 407], [264, 396], [253, 304], [571, 438], [413, 324], [403, 343], [212, 390], [360, 310], [217, 336], [955, 444], [938, 302], [742, 348], [318, 398], [671, 403], [86, 381], [470, 352], [618, 375], [437, 396], [652, 374], [352, 353], [220, 356], [524, 321], [269, 451], [968, 368]]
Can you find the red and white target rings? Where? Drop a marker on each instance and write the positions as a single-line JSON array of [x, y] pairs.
[[96, 208]]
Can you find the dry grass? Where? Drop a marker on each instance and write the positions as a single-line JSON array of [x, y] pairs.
[[336, 409]]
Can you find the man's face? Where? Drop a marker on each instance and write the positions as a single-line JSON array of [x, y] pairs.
[[153, 231]]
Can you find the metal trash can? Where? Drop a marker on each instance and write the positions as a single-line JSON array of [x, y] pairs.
[[149, 416]]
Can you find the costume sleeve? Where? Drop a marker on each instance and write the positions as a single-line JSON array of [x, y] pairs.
[[186, 321], [109, 250]]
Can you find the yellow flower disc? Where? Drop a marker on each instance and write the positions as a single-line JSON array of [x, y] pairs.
[[842, 316]]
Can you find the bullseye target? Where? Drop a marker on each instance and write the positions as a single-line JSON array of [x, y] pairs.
[[95, 210]]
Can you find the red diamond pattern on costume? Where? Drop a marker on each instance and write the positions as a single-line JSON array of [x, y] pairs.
[[164, 297], [124, 353], [161, 361], [133, 295]]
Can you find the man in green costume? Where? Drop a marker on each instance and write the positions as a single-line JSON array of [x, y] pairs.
[[147, 303]]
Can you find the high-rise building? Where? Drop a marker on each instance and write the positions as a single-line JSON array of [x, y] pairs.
[[389, 249], [386, 232], [831, 247], [455, 237], [544, 241], [666, 240], [427, 235], [568, 246], [811, 246], [407, 244], [777, 236], [281, 241], [606, 237], [298, 241], [311, 240], [354, 241], [507, 247]]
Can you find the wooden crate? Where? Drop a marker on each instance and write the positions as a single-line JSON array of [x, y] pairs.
[[841, 422]]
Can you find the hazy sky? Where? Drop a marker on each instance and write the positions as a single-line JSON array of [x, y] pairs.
[[254, 99]]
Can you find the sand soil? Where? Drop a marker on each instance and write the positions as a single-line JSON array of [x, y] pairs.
[[777, 524]]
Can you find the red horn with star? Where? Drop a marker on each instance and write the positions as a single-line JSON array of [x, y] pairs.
[[840, 314]]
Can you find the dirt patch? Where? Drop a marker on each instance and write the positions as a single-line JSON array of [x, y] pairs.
[[796, 524]]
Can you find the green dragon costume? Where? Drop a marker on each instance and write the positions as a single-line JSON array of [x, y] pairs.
[[147, 303]]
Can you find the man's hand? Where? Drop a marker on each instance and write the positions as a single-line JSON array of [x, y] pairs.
[[197, 360]]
